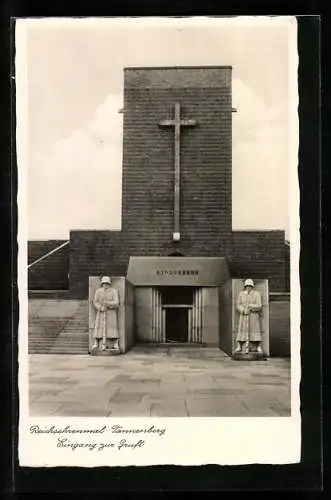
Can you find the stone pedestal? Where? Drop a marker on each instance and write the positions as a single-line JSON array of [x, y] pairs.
[[106, 352], [249, 356]]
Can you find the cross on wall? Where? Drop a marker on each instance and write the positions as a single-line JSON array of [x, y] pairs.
[[177, 123]]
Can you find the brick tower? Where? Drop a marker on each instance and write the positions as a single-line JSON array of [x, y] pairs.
[[158, 200]]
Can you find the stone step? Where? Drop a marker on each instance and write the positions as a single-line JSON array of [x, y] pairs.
[[52, 326], [71, 336], [43, 349], [38, 351], [45, 332], [69, 347], [79, 331], [48, 294], [76, 329], [41, 345], [52, 318], [45, 329], [65, 352], [77, 321], [58, 351], [78, 318], [76, 326], [66, 344], [82, 324], [45, 326], [43, 338], [42, 342]]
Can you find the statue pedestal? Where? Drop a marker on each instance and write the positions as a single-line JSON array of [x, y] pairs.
[[106, 352], [250, 356]]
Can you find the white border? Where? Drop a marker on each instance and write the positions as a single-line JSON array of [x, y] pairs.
[[188, 441]]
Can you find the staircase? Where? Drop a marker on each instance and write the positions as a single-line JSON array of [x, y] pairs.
[[43, 333], [74, 337], [58, 327]]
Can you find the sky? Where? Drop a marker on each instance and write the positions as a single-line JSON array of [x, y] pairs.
[[73, 130]]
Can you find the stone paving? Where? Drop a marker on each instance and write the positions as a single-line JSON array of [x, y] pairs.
[[158, 381]]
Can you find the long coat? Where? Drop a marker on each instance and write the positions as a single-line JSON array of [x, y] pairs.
[[106, 303], [249, 306]]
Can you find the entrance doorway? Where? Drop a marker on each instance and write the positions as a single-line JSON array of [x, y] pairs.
[[177, 303], [176, 324]]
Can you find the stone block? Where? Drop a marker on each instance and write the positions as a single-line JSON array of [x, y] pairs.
[[251, 356]]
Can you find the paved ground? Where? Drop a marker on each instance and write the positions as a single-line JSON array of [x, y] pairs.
[[168, 382]]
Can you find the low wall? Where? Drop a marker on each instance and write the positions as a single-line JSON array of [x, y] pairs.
[[52, 272]]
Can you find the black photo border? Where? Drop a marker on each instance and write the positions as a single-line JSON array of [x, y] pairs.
[[305, 476]]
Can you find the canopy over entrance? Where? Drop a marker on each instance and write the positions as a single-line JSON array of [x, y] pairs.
[[181, 271]]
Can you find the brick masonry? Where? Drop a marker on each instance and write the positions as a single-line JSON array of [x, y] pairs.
[[51, 273], [94, 253], [148, 162], [253, 254], [259, 254], [280, 327]]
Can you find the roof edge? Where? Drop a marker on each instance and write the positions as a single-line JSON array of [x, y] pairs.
[[134, 68]]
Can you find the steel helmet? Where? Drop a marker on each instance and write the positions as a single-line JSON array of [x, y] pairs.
[[105, 279]]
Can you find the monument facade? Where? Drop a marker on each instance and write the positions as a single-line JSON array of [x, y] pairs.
[[176, 247], [177, 182]]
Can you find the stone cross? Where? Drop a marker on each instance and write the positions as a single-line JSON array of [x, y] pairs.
[[177, 123]]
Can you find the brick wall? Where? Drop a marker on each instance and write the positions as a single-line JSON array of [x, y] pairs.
[[259, 254], [52, 272], [280, 326], [148, 161], [287, 267], [94, 253], [252, 254]]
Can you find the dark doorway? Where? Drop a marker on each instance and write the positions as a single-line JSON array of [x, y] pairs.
[[177, 324]]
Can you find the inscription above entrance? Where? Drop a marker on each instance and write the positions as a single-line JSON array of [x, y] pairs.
[[176, 272], [182, 271]]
